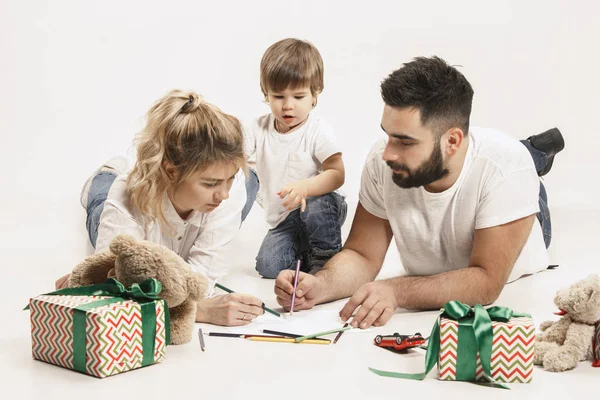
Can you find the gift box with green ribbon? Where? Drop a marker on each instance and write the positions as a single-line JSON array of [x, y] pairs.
[[478, 344], [101, 330], [596, 345]]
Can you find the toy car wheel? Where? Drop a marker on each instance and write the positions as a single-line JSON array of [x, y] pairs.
[[378, 339], [398, 340]]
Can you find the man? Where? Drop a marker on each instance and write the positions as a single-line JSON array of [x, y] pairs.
[[460, 204]]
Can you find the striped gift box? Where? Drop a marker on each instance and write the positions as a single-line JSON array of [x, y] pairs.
[[113, 333], [512, 350]]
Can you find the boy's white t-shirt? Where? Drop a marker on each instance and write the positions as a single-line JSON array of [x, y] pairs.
[[201, 240], [434, 231], [285, 158]]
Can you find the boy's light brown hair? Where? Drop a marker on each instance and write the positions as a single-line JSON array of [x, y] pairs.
[[291, 63]]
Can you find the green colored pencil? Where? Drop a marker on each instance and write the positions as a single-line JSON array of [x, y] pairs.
[[314, 335], [267, 309]]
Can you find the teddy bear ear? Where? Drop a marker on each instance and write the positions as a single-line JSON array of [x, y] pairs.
[[121, 243], [197, 286]]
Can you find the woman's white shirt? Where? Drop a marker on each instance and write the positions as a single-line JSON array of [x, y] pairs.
[[201, 240]]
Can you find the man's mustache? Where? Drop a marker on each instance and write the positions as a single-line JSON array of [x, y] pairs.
[[397, 167]]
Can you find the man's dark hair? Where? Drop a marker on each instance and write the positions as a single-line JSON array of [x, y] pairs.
[[440, 92]]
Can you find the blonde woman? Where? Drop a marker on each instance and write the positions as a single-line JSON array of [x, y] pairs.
[[186, 191]]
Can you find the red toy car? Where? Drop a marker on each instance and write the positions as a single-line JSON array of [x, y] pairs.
[[399, 342]]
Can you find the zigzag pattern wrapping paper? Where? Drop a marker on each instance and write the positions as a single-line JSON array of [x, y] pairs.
[[512, 350], [113, 333]]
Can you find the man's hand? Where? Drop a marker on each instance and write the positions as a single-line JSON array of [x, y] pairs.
[[62, 282], [232, 309], [377, 303], [296, 193], [309, 286]]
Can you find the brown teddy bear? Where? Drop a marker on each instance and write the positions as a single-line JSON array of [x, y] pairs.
[[563, 343], [131, 261]]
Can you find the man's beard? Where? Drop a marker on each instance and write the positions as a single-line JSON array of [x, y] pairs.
[[428, 172]]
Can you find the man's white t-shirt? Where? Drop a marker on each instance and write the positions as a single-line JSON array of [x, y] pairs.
[[201, 240], [434, 231], [285, 158]]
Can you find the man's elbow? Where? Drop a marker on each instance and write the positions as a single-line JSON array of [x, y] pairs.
[[491, 292]]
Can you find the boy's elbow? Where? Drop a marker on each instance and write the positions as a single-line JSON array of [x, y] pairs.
[[342, 178]]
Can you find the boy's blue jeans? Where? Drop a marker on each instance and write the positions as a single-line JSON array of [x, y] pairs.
[[313, 236], [103, 181]]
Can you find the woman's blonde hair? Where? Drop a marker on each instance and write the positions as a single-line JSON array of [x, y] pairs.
[[191, 135]]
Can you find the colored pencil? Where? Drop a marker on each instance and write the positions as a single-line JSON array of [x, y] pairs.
[[286, 340], [239, 335], [267, 338], [314, 335], [292, 335], [339, 334], [267, 309], [201, 337], [295, 287]]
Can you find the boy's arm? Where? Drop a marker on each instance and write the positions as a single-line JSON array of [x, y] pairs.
[[330, 179]]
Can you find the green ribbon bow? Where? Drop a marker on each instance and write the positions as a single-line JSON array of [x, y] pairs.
[[475, 333], [144, 293]]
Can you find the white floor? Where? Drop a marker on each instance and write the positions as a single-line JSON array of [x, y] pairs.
[[232, 368]]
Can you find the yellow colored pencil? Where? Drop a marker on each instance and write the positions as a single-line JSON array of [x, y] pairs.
[[285, 340]]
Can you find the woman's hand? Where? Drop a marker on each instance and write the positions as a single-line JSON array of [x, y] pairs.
[[62, 282], [233, 309]]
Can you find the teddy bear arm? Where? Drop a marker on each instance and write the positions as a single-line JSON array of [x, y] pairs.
[[545, 325], [557, 332], [183, 318], [575, 349], [94, 269], [579, 339]]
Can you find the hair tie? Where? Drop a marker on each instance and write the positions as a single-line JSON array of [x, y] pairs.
[[188, 104]]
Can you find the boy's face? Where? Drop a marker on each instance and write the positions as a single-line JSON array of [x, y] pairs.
[[290, 107]]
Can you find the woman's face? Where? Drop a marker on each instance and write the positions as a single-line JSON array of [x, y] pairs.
[[203, 191]]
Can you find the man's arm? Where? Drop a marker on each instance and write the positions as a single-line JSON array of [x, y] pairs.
[[495, 251], [361, 258], [359, 262]]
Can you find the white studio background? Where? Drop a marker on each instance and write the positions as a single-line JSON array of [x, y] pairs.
[[76, 78]]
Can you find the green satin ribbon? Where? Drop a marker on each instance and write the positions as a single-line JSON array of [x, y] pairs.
[[475, 333], [144, 293]]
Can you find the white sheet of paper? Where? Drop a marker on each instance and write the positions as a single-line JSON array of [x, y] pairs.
[[300, 323]]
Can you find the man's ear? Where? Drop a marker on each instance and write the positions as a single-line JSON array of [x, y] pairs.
[[453, 140]]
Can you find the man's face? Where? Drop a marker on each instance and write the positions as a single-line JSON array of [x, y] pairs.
[[412, 151]]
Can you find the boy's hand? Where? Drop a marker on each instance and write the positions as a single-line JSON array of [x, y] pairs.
[[296, 193]]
